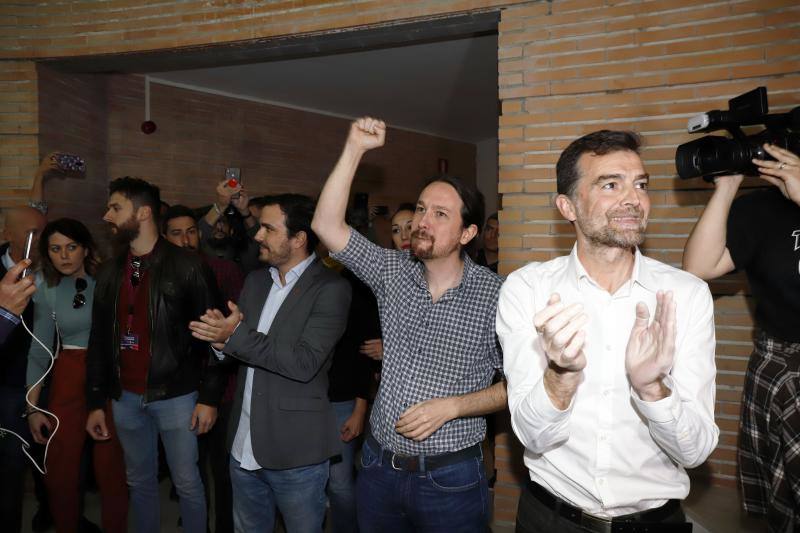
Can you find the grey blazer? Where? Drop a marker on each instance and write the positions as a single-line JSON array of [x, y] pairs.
[[292, 423]]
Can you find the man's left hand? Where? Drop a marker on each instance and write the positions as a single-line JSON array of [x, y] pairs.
[[203, 418], [651, 348], [216, 328], [420, 421]]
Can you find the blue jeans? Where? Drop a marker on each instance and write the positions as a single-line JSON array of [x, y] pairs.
[[139, 425], [342, 484], [299, 494], [450, 499]]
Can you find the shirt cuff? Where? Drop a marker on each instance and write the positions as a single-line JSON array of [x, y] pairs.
[[541, 403], [219, 353], [663, 410], [8, 315]]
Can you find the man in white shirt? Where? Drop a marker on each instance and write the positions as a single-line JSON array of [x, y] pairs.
[[609, 357]]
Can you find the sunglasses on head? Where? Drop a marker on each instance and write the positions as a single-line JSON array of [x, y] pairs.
[[80, 298], [136, 272]]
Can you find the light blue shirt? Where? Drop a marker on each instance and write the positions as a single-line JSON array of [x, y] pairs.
[[242, 449]]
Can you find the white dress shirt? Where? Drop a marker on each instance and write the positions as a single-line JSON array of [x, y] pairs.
[[609, 452], [242, 449]]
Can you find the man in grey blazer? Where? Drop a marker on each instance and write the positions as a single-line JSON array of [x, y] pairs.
[[283, 429]]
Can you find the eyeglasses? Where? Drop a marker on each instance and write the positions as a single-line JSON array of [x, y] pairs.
[[136, 273], [80, 298]]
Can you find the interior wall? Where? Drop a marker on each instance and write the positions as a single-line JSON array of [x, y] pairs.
[[73, 112], [199, 134]]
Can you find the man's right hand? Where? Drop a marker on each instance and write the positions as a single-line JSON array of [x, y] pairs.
[[15, 293], [224, 193], [96, 425], [562, 336], [37, 421], [366, 133]]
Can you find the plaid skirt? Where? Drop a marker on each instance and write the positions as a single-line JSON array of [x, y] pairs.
[[769, 434]]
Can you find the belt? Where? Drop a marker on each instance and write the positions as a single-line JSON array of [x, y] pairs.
[[596, 523], [422, 463]]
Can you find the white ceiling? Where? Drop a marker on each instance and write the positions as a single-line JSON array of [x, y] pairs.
[[448, 89]]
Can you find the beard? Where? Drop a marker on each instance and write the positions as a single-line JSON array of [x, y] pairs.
[[423, 246], [126, 232], [219, 243], [609, 236], [275, 257]]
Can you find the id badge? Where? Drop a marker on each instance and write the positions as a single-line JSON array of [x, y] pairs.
[[129, 342]]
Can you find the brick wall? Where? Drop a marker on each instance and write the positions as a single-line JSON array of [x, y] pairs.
[[19, 130], [75, 28], [199, 135], [570, 67], [73, 112]]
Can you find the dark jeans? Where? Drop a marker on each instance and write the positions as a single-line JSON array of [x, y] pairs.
[[13, 462], [450, 499], [535, 517]]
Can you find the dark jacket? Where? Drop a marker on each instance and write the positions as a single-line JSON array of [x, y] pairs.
[[15, 350], [292, 423], [181, 288]]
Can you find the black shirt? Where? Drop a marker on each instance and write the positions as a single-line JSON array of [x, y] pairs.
[[764, 241]]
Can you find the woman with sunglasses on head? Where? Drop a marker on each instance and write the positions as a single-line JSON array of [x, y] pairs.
[[63, 310]]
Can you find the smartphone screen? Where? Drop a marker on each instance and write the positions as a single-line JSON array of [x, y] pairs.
[[27, 254]]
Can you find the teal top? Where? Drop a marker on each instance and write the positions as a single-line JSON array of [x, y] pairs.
[[73, 324]]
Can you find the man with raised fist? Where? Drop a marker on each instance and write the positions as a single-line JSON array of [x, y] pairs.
[[440, 353]]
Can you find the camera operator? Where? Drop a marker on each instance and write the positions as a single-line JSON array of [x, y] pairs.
[[760, 234]]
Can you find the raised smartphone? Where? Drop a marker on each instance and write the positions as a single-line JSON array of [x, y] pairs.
[[27, 253]]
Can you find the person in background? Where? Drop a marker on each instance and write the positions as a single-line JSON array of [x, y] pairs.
[[350, 388], [759, 233], [142, 356], [180, 228], [487, 255], [401, 226], [63, 308], [236, 241]]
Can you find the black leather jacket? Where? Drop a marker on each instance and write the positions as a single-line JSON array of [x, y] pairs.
[[181, 288]]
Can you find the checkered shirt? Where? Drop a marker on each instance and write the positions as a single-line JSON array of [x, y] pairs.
[[769, 434], [430, 350]]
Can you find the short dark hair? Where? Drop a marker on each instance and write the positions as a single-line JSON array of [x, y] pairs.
[[176, 211], [298, 209], [598, 143], [78, 232], [138, 191], [473, 207], [493, 216]]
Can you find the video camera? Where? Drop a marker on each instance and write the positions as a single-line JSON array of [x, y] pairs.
[[715, 155]]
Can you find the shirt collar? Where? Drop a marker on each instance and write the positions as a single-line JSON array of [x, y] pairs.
[[294, 274], [418, 272], [641, 274]]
